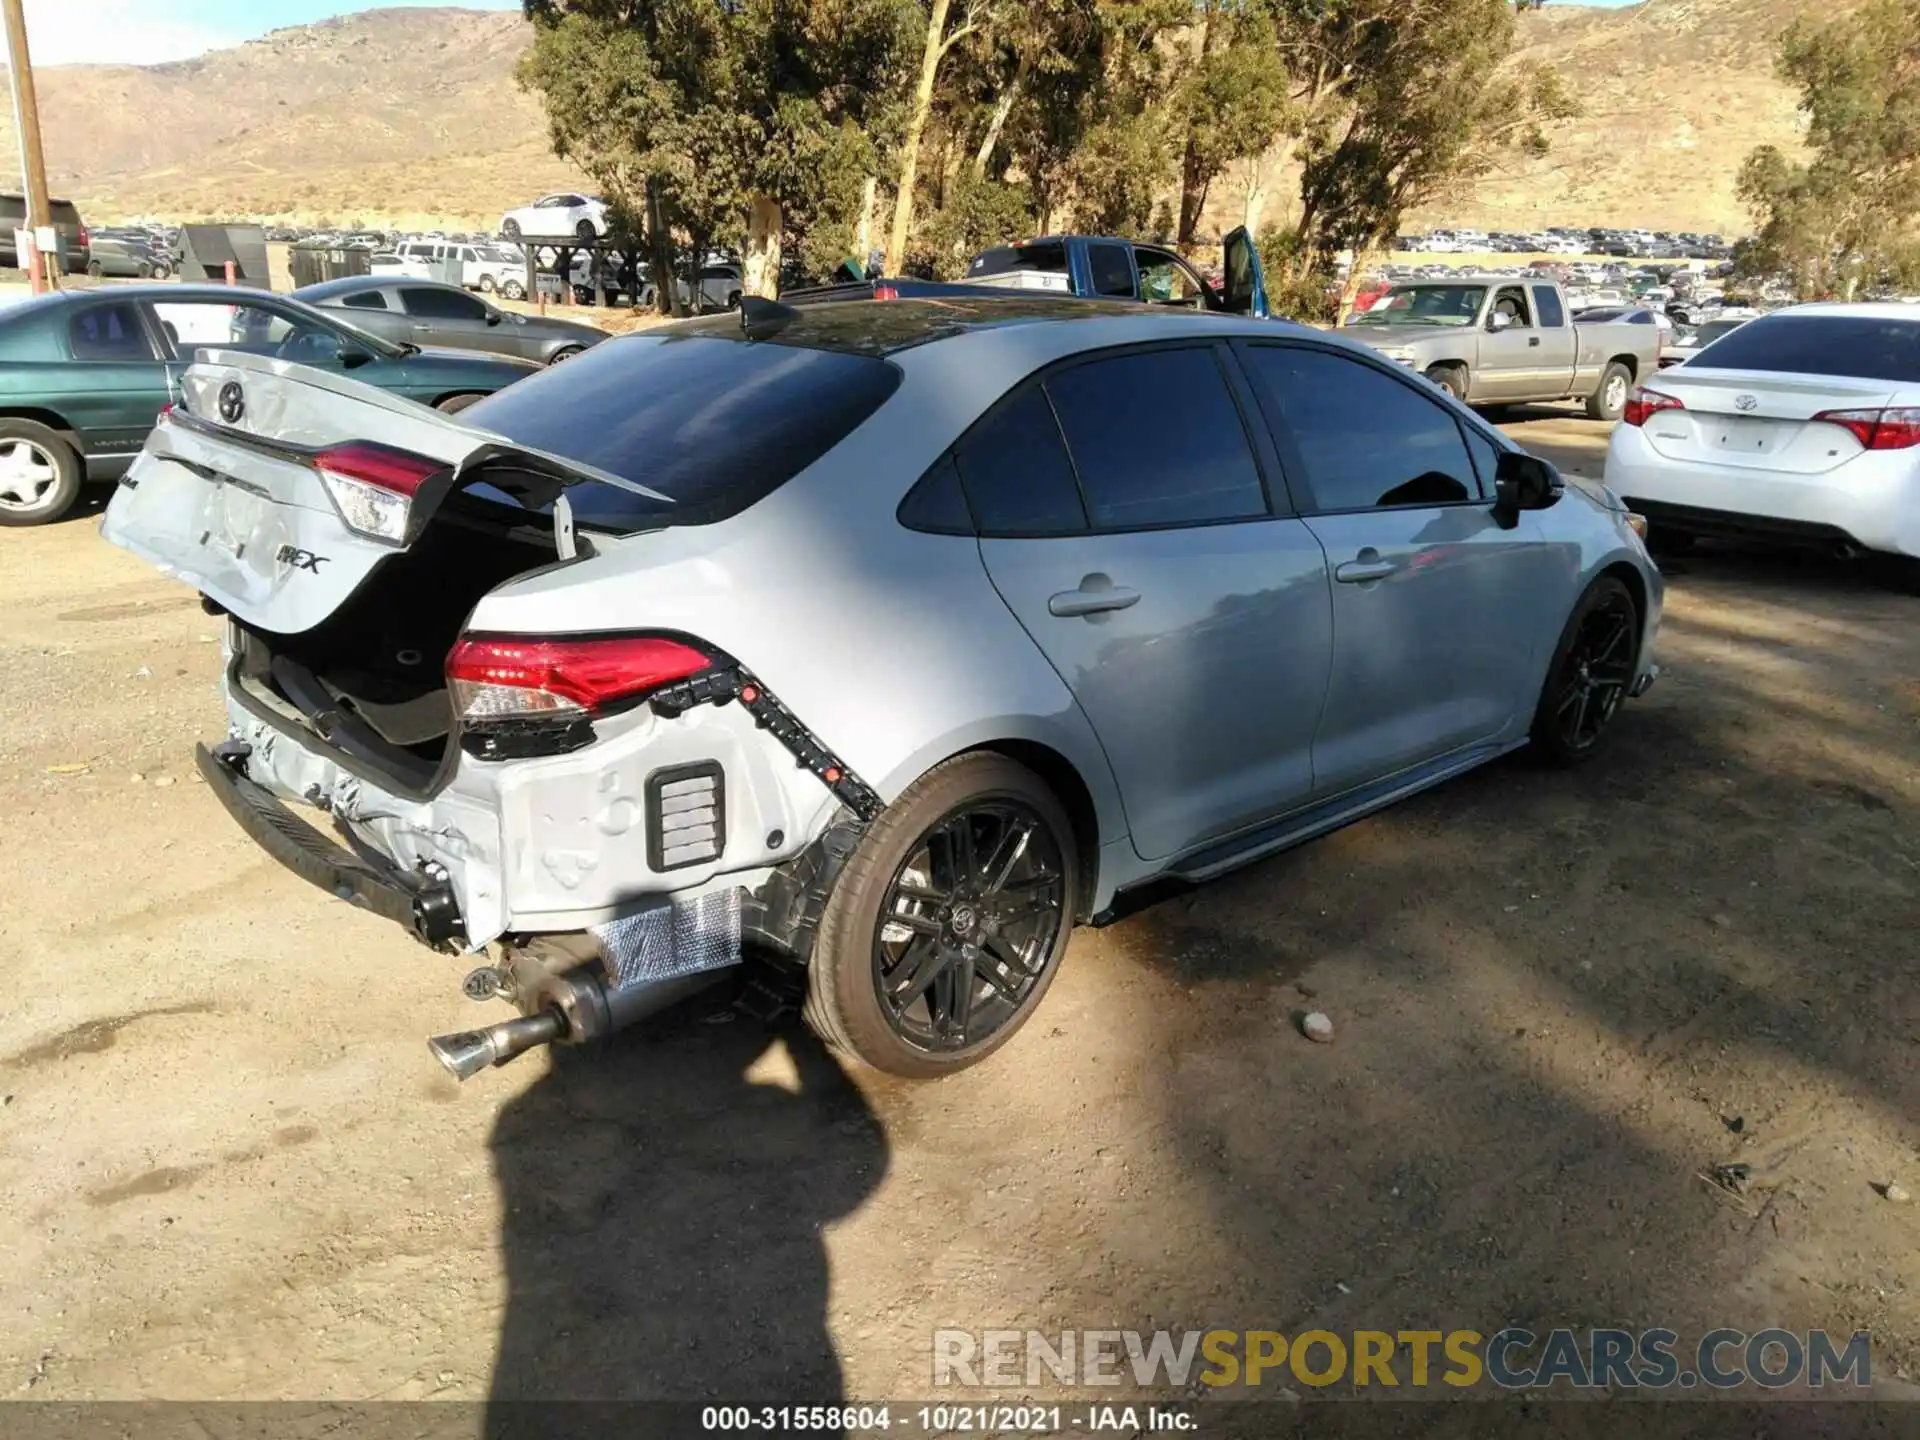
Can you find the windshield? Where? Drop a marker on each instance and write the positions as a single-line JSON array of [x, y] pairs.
[[494, 252], [1427, 305]]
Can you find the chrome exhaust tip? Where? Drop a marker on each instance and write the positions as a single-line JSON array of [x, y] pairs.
[[468, 1052]]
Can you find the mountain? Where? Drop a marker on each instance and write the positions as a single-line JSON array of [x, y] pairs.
[[411, 118]]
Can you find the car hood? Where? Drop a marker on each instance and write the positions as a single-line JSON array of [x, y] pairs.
[[1378, 335], [553, 329]]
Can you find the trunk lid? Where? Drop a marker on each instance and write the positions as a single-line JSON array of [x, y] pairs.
[[1759, 420], [228, 494]]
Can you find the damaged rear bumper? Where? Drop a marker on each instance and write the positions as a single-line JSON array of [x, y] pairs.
[[424, 904]]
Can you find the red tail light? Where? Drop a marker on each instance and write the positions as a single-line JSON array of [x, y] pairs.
[[1896, 429], [84, 239], [885, 292], [517, 677], [374, 486], [1643, 404]]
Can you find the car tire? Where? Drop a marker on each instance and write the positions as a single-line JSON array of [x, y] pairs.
[[733, 300], [1450, 378], [510, 229], [162, 271], [865, 924], [40, 473], [585, 233], [565, 352], [1609, 398], [95, 269], [486, 284], [513, 290], [1590, 675], [454, 404]]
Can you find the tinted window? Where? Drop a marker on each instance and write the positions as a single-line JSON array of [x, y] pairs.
[[1366, 439], [1017, 475], [1552, 312], [1050, 256], [1862, 346], [1157, 440], [109, 332], [714, 424], [442, 304], [365, 300], [937, 503], [1165, 280], [1486, 458], [1112, 269]]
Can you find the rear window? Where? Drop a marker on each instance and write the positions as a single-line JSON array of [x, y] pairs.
[[1859, 346], [714, 424], [1049, 255]]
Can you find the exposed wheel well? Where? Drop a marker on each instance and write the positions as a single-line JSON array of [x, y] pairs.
[[1065, 782], [1631, 362]]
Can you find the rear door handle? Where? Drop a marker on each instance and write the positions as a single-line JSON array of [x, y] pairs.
[[1092, 598], [1364, 567]]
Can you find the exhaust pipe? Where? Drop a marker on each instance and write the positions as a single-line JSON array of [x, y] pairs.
[[575, 1006], [469, 1052]]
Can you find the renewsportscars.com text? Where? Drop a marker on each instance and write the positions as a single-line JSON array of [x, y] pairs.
[[1512, 1358]]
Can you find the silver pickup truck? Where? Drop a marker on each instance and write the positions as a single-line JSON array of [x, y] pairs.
[[1497, 340]]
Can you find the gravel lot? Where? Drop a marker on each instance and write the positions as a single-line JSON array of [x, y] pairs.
[[232, 1171]]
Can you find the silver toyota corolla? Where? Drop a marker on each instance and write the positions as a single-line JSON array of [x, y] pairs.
[[889, 639]]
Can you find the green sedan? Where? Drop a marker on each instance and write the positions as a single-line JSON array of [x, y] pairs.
[[83, 374]]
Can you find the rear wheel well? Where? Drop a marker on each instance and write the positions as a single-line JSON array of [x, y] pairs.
[[1064, 780], [1630, 362]]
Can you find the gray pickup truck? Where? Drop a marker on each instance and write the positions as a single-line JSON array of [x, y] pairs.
[[1497, 340]]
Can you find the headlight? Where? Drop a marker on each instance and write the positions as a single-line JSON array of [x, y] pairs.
[[1403, 354], [1637, 524]]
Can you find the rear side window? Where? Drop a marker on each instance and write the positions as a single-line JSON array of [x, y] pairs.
[[1367, 440], [109, 332], [713, 424], [1016, 472], [1157, 440], [1112, 267], [442, 304], [1859, 346], [1547, 300], [365, 300]]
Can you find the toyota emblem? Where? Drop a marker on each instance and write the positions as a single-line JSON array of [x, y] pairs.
[[1740, 402], [233, 402]]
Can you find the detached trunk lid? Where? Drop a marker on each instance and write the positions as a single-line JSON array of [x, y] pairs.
[[230, 495]]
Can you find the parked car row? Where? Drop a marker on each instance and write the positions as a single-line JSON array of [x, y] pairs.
[[1560, 240]]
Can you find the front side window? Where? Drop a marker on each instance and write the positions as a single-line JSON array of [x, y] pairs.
[[109, 332], [442, 304], [1512, 303], [1166, 280], [1112, 269], [1366, 440], [1157, 440]]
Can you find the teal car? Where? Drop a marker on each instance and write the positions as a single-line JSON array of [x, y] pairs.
[[84, 373]]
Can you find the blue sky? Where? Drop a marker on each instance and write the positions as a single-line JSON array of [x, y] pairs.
[[146, 32]]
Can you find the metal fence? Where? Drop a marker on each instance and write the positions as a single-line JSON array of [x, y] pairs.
[[310, 266]]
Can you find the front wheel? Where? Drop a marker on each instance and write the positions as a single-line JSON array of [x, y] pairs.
[[949, 923], [40, 474], [585, 232], [1593, 668], [486, 284], [1609, 398], [565, 352], [95, 269], [514, 290]]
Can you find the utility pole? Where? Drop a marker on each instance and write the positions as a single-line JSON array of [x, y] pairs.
[[26, 119]]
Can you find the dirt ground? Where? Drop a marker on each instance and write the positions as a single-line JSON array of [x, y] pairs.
[[231, 1170]]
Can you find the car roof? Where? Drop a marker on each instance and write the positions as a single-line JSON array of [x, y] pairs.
[[326, 289], [882, 328], [155, 293], [1863, 310]]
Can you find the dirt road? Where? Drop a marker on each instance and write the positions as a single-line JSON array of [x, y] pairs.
[[231, 1170]]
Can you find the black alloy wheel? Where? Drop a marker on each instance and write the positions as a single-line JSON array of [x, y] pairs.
[[1593, 673], [969, 925]]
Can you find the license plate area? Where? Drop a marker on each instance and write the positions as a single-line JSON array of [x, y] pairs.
[[1742, 435]]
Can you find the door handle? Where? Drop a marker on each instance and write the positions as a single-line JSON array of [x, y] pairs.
[[1534, 341], [1365, 566], [1096, 596]]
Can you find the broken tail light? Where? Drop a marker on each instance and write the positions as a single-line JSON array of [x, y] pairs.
[[1643, 404], [374, 487], [1894, 429]]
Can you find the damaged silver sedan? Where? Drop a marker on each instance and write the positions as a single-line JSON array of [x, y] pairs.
[[888, 639]]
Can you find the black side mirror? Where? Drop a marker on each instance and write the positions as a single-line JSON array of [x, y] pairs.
[[1523, 482], [352, 358]]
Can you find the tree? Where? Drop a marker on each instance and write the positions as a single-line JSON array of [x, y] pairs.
[[733, 123], [1847, 215], [933, 49], [1231, 103]]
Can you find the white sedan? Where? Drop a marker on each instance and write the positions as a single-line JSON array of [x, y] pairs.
[[1802, 426], [558, 217]]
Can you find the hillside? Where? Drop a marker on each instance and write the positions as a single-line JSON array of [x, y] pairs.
[[411, 118]]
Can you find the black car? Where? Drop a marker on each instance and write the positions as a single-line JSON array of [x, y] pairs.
[[425, 312]]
